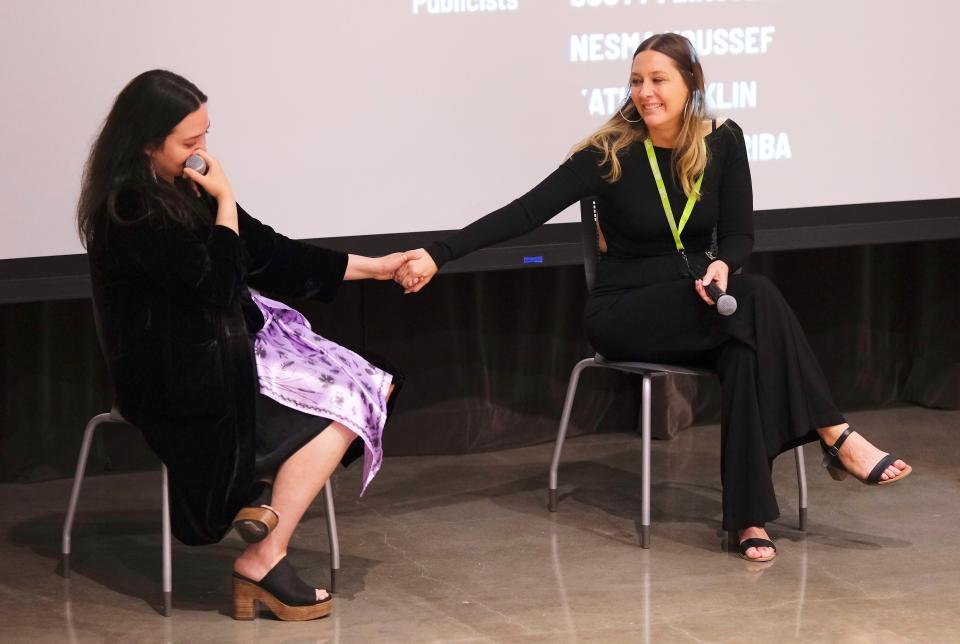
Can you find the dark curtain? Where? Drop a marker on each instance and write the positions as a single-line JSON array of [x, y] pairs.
[[487, 356]]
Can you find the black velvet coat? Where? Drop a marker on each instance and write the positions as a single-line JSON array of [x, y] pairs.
[[176, 318]]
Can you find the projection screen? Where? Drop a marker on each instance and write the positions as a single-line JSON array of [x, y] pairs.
[[389, 120]]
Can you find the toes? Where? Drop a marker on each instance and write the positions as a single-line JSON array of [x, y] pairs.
[[321, 594], [758, 553]]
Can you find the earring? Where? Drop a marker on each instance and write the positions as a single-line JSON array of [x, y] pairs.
[[624, 117]]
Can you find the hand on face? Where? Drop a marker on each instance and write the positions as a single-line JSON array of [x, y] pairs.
[[718, 272], [215, 182], [417, 272]]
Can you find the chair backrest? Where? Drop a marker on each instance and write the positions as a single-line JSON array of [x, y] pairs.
[[589, 212]]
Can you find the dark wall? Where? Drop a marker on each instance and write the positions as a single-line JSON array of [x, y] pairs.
[[487, 355]]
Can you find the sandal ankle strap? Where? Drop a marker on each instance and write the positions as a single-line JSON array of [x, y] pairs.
[[834, 450]]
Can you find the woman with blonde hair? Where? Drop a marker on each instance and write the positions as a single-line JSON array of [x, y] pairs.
[[669, 180]]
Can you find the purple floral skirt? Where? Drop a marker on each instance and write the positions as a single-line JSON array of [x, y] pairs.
[[308, 373]]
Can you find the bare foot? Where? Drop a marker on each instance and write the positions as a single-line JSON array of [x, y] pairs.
[[756, 533], [257, 560], [858, 455]]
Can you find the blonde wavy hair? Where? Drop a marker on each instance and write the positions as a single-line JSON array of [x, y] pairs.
[[690, 149]]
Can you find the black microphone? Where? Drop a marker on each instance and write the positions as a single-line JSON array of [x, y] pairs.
[[726, 304], [196, 162]]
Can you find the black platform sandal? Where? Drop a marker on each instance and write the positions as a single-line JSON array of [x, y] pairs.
[[837, 471], [282, 591], [733, 537], [254, 522]]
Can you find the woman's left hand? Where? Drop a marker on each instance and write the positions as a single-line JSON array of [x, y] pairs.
[[389, 265], [360, 267], [718, 272]]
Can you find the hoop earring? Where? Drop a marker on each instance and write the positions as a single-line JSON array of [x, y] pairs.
[[625, 118]]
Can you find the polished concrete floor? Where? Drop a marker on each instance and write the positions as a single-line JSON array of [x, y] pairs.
[[462, 549]]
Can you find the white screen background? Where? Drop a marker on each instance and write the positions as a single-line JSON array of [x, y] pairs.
[[360, 117]]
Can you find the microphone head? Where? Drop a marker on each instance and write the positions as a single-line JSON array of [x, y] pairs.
[[196, 162], [726, 305]]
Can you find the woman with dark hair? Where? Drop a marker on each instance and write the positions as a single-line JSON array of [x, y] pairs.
[[248, 408], [648, 302]]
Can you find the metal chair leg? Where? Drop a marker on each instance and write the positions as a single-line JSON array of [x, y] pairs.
[[332, 535], [645, 463], [75, 492], [562, 431], [167, 556], [802, 484]]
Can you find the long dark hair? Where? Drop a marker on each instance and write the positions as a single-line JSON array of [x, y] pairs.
[[143, 114]]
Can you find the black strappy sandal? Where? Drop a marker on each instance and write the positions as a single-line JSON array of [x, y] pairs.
[[733, 536], [837, 471], [254, 522], [282, 591]]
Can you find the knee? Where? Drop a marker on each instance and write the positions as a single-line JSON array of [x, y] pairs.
[[736, 357]]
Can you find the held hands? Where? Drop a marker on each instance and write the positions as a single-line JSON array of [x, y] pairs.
[[417, 272], [388, 265], [718, 272], [412, 270]]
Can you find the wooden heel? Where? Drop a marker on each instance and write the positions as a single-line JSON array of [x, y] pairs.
[[254, 524], [244, 600], [249, 594]]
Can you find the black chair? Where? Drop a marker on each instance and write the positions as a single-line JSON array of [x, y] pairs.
[[589, 209], [114, 416]]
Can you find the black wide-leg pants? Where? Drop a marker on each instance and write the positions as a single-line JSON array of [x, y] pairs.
[[774, 395]]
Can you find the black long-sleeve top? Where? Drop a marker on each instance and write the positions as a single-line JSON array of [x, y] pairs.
[[633, 221]]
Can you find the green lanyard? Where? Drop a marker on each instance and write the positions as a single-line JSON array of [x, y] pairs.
[[667, 210]]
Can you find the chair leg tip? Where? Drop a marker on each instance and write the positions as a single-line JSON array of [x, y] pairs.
[[803, 519], [552, 501], [65, 565], [167, 603], [645, 537], [333, 580]]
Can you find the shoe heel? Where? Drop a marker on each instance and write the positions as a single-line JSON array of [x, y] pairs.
[[836, 474], [254, 524], [244, 600]]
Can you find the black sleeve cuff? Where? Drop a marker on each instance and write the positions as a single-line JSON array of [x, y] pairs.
[[438, 252]]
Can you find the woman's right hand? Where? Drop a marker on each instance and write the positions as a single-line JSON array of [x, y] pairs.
[[215, 182], [217, 185]]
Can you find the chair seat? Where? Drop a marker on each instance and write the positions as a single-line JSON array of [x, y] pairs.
[[651, 367], [649, 370]]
